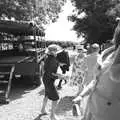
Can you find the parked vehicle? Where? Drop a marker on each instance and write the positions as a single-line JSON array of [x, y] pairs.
[[21, 47]]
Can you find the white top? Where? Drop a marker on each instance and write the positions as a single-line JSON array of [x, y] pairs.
[[91, 63]]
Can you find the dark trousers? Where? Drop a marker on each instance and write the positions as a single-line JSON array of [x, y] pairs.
[[60, 84]]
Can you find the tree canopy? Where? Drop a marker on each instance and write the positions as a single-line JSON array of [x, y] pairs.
[[40, 11], [98, 21]]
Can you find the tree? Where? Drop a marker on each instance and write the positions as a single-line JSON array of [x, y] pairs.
[[98, 22], [40, 11]]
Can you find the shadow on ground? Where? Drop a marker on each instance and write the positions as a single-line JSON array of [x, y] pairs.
[[65, 104], [19, 88]]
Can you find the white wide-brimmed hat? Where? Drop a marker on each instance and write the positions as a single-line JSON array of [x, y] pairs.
[[53, 47]]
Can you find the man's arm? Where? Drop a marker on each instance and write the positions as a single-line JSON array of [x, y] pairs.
[[86, 91]]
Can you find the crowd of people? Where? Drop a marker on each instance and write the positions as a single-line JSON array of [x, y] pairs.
[[103, 89], [96, 76]]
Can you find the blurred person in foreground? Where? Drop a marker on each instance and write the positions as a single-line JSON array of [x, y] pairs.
[[104, 91], [51, 65]]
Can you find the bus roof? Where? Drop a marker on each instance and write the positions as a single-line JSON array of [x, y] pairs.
[[20, 28]]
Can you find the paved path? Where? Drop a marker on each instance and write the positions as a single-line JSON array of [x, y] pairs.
[[26, 104]]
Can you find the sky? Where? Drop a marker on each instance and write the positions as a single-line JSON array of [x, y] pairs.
[[61, 30]]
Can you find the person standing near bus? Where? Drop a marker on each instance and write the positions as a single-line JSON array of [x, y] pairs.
[[51, 65]]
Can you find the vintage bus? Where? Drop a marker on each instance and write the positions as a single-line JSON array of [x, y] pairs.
[[22, 47]]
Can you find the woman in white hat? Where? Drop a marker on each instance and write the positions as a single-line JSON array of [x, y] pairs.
[[50, 75], [79, 69], [90, 61]]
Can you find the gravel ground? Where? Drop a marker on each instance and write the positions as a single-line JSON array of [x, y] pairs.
[[26, 103]]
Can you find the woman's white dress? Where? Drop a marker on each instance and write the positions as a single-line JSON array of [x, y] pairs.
[[79, 70]]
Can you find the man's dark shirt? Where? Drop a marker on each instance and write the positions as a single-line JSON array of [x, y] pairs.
[[64, 58]]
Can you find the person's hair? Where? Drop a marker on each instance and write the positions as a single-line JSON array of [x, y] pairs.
[[93, 48]]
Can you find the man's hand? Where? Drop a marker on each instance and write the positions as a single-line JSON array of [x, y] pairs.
[[66, 77]]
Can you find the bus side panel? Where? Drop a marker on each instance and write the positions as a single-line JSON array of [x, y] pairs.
[[30, 68]]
